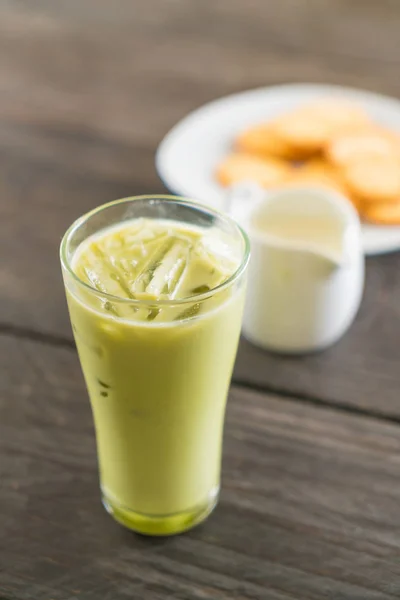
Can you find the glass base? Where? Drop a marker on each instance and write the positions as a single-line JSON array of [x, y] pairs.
[[170, 524]]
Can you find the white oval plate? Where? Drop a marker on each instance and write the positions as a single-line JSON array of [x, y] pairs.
[[187, 156]]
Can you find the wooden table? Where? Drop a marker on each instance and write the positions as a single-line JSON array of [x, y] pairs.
[[310, 507]]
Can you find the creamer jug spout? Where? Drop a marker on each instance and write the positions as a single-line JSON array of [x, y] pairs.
[[318, 224]]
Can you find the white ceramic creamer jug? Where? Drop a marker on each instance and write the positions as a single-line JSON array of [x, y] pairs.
[[306, 273]]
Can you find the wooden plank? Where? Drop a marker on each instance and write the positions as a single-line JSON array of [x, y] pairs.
[[365, 29], [133, 71], [309, 507]]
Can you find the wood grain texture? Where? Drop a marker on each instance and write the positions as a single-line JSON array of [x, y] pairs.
[[309, 507], [130, 70]]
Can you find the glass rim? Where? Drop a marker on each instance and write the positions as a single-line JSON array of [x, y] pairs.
[[66, 239]]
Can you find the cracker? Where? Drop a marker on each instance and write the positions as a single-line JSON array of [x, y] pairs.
[[318, 171], [263, 141], [373, 181], [383, 214], [370, 143], [267, 172], [309, 128], [301, 133]]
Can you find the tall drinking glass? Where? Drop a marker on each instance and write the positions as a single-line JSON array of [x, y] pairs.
[[157, 370]]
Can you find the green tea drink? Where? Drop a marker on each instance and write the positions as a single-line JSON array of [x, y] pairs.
[[156, 313]]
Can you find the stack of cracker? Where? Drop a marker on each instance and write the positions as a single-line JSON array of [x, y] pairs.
[[333, 143]]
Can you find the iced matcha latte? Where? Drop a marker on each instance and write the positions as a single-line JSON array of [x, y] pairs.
[[155, 289]]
